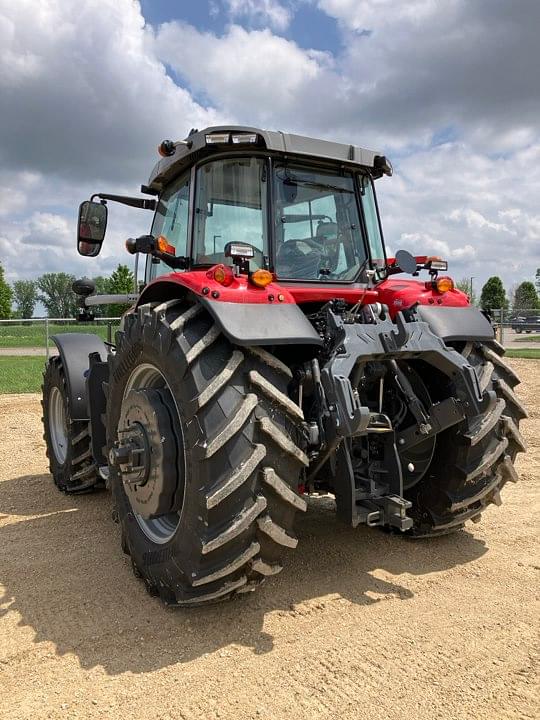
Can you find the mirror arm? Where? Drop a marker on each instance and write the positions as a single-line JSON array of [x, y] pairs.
[[146, 244], [174, 262], [141, 203]]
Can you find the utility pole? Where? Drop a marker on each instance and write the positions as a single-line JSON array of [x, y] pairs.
[[472, 296]]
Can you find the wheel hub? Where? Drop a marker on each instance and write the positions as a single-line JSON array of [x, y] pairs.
[[147, 452]]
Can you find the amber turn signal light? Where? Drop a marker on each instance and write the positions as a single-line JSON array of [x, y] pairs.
[[162, 244], [261, 278], [166, 148], [444, 284], [221, 274]]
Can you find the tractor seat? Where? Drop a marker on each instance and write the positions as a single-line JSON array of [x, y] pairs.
[[327, 231]]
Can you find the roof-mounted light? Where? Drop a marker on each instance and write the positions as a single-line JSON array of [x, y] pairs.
[[218, 138], [245, 138], [382, 163]]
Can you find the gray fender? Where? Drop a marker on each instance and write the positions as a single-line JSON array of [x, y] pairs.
[[74, 349], [257, 324], [456, 323]]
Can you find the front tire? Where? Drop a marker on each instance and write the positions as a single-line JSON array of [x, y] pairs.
[[222, 481]]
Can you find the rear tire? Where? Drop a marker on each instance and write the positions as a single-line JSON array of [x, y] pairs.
[[237, 453], [475, 459], [68, 441]]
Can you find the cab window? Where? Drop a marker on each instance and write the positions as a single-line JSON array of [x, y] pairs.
[[317, 226], [230, 206], [171, 220]]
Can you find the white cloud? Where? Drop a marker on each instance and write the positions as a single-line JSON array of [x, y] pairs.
[[369, 15], [252, 75], [453, 195], [268, 12], [474, 219], [82, 93]]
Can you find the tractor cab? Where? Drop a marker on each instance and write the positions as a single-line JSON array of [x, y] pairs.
[[303, 209]]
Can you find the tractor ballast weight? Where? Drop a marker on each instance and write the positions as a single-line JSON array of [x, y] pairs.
[[272, 356]]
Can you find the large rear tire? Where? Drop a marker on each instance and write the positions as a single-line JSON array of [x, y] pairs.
[[227, 492], [475, 459], [68, 441]]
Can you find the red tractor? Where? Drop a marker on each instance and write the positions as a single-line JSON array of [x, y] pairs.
[[272, 353]]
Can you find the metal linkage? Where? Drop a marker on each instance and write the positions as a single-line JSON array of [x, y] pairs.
[[343, 417]]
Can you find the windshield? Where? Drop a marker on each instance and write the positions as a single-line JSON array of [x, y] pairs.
[[318, 232], [230, 206]]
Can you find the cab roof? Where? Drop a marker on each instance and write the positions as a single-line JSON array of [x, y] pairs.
[[186, 152]]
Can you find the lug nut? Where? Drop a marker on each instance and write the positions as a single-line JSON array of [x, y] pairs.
[[119, 455]]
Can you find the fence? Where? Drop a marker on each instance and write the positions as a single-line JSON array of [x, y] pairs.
[[517, 321], [35, 334]]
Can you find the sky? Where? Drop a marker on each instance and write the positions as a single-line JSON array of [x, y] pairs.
[[449, 91]]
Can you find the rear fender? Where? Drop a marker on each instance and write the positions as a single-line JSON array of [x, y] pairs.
[[251, 318], [456, 323]]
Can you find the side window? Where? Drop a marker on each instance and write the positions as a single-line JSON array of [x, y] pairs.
[[372, 222], [171, 220]]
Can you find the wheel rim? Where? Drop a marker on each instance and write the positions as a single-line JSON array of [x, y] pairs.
[[58, 425], [160, 529]]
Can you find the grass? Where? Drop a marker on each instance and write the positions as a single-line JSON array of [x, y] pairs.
[[26, 335], [526, 353], [24, 374], [21, 374], [528, 338]]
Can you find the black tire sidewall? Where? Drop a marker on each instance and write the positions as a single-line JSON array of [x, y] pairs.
[[54, 378]]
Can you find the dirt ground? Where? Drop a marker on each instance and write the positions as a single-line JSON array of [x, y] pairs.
[[360, 624]]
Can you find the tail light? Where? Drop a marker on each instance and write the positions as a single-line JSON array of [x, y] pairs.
[[261, 278], [222, 274], [444, 284]]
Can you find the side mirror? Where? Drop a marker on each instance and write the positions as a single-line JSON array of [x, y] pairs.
[[91, 228], [406, 262]]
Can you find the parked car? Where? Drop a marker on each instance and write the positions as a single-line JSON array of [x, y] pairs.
[[526, 324]]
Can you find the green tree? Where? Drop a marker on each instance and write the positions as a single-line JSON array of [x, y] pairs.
[[493, 295], [25, 297], [5, 297], [56, 294], [121, 282], [526, 297], [102, 288], [465, 286]]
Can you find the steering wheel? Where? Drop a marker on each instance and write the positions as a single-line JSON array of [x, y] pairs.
[[297, 263]]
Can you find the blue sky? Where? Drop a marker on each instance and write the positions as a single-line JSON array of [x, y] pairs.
[[449, 91], [309, 27]]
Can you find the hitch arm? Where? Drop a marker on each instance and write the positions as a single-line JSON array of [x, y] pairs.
[[443, 415], [413, 402]]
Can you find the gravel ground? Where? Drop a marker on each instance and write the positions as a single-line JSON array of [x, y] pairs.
[[359, 624]]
